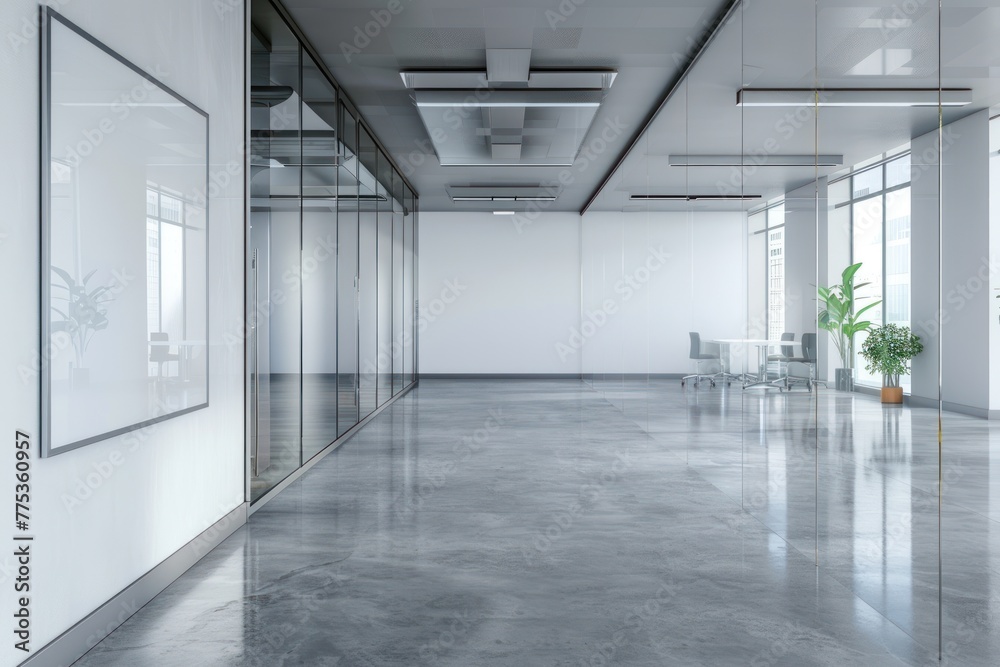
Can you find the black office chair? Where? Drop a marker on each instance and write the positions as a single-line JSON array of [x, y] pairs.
[[700, 357], [159, 353], [802, 369]]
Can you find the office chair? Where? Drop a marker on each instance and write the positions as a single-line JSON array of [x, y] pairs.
[[778, 362], [160, 354], [700, 357], [802, 370]]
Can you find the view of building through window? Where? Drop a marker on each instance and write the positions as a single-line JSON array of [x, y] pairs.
[[880, 223]]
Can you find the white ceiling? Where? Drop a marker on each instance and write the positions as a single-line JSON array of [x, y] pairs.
[[767, 43], [642, 39]]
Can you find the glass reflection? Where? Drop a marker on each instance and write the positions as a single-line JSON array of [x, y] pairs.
[[325, 243]]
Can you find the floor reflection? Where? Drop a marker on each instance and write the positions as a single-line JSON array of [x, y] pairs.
[[513, 523]]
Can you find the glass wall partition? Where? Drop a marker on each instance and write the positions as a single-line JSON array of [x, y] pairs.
[[819, 183], [407, 343], [386, 342], [368, 276], [318, 273], [348, 323], [330, 267], [275, 321], [398, 274]]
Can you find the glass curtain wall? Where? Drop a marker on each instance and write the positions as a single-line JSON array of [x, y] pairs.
[[331, 269]]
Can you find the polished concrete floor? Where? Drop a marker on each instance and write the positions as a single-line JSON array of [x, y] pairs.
[[632, 523]]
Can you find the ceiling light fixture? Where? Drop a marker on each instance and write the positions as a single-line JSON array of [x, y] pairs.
[[499, 98], [853, 97], [763, 160], [504, 213], [502, 199], [693, 197]]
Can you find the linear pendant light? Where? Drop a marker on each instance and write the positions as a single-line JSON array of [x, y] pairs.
[[853, 97], [763, 160], [517, 98], [693, 197], [504, 199]]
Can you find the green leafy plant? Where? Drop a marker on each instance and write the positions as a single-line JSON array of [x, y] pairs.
[[838, 315], [887, 349], [84, 313]]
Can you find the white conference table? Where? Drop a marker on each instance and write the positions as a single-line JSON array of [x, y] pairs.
[[763, 346]]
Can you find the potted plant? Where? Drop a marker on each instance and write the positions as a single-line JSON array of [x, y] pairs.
[[887, 350], [83, 316], [839, 318]]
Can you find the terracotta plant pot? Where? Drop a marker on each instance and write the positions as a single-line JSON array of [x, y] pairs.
[[892, 394]]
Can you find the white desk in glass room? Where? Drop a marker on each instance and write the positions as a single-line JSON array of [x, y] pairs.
[[763, 345]]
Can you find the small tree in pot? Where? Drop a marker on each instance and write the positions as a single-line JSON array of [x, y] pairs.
[[840, 319], [887, 350]]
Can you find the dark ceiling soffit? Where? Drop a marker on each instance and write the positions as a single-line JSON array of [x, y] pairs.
[[672, 88], [341, 93]]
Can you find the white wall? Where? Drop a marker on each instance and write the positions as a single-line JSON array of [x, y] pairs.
[[497, 295], [656, 277], [527, 307], [805, 210], [960, 332], [154, 493]]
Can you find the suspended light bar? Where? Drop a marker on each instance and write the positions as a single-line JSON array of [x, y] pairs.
[[693, 197], [502, 199], [853, 97], [756, 160], [521, 97]]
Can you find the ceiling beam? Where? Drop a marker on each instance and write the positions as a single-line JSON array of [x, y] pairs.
[[710, 35]]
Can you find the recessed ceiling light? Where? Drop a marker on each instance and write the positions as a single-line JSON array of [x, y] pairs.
[[504, 213]]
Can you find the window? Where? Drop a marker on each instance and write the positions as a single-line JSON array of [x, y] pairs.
[[776, 283], [880, 230], [165, 242], [767, 241]]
